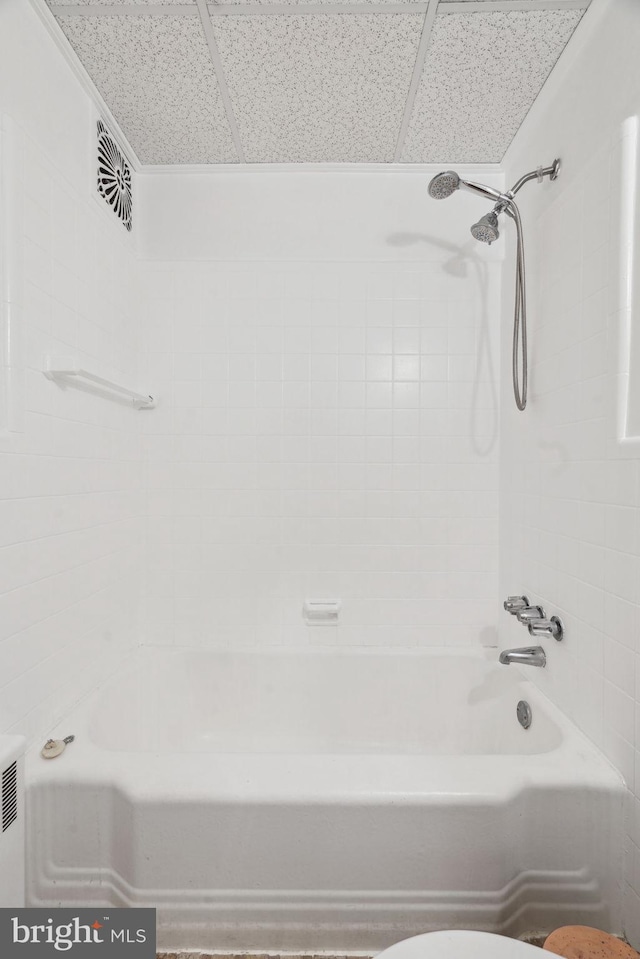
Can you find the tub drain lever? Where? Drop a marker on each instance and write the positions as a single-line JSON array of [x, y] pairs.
[[53, 747]]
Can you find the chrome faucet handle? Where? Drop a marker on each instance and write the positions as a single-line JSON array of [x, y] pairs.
[[547, 627], [530, 613], [513, 604]]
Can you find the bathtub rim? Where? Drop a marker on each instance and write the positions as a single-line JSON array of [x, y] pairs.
[[324, 777]]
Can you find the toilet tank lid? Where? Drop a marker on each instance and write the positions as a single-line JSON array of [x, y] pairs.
[[460, 944]]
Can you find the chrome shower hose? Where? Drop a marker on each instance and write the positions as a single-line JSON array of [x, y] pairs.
[[519, 343]]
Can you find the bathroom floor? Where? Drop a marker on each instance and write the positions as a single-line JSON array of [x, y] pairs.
[[206, 955], [534, 940], [537, 941]]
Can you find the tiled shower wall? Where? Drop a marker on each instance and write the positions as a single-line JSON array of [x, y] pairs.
[[570, 492], [71, 493], [328, 432]]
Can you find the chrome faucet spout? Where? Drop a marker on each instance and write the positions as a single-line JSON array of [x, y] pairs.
[[527, 656]]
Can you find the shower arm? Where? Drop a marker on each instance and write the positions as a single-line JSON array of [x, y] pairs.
[[539, 174], [504, 200]]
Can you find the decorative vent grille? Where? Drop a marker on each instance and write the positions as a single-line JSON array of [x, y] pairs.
[[9, 796], [114, 176]]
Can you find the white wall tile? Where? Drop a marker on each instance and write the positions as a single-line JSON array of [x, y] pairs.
[[318, 458], [570, 503], [71, 495]]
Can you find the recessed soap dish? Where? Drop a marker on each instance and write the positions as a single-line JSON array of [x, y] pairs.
[[321, 612]]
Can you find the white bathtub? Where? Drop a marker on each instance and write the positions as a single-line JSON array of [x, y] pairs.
[[325, 800]]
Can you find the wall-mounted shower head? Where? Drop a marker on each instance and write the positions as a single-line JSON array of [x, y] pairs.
[[486, 229], [444, 184]]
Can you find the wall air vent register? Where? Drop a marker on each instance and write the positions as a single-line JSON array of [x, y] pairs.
[[114, 176], [9, 796]]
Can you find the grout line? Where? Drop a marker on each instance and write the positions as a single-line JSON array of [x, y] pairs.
[[100, 492], [130, 10], [314, 9], [510, 6], [207, 26], [72, 531], [418, 67], [59, 612], [466, 170], [85, 564], [311, 9]]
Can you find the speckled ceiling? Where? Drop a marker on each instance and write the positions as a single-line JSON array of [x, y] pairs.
[[262, 81]]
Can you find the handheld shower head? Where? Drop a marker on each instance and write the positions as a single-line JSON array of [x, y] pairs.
[[486, 229], [444, 184]]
